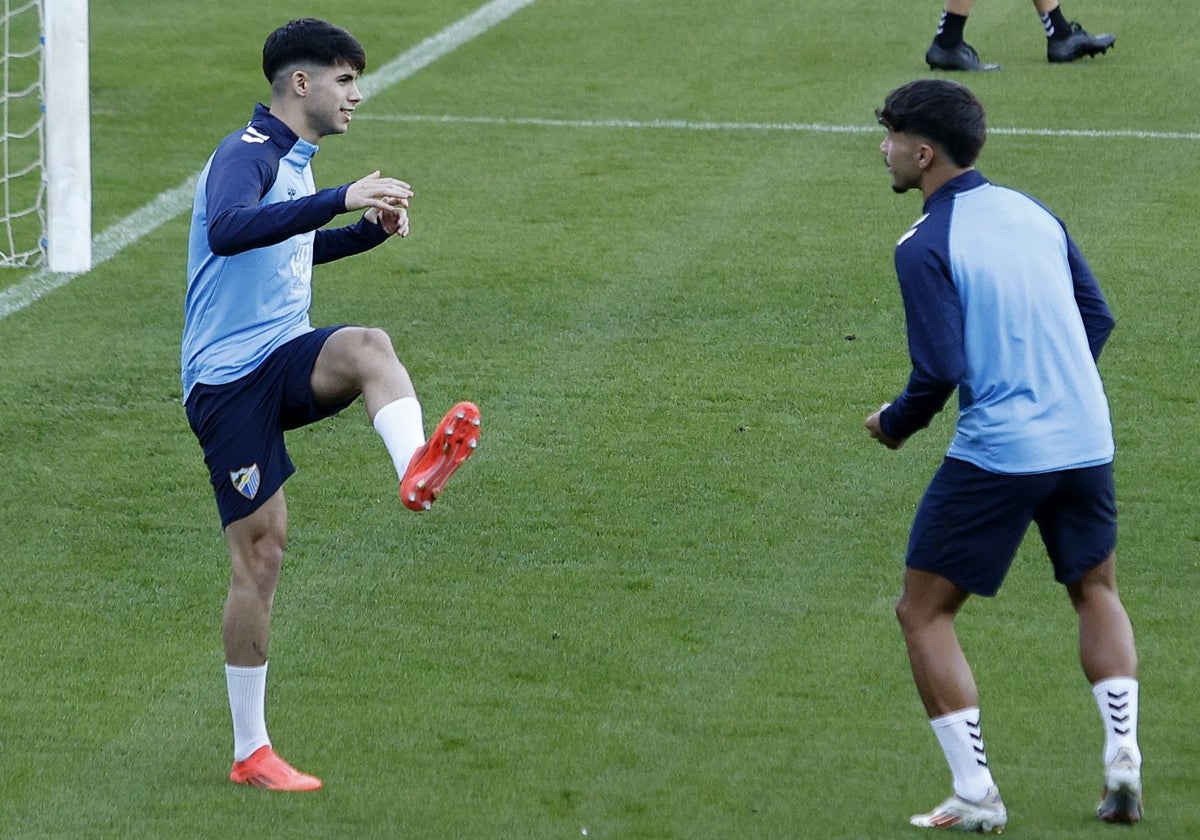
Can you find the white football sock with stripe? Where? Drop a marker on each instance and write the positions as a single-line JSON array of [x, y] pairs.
[[247, 688], [962, 742], [401, 425], [1117, 699]]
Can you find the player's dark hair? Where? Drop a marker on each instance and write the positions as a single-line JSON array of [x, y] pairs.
[[943, 111], [312, 41]]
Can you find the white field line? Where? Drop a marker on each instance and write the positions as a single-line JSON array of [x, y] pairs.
[[809, 128], [169, 204]]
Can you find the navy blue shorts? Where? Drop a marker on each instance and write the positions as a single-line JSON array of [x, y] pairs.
[[971, 522], [240, 424]]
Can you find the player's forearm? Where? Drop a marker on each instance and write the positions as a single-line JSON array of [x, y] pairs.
[[234, 229], [335, 244], [921, 401]]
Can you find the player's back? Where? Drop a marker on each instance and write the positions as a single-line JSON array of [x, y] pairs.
[[1031, 399]]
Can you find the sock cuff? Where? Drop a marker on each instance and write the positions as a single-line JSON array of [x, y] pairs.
[[403, 407], [1056, 26], [1114, 685], [245, 670], [950, 719], [950, 29]]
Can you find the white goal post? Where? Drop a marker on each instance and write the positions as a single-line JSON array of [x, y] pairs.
[[68, 170], [45, 136]]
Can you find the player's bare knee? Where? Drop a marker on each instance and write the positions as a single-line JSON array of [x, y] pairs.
[[375, 354], [377, 344], [915, 615], [268, 551], [257, 567]]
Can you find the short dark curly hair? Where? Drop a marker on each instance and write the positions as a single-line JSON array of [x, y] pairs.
[[943, 111], [310, 40]]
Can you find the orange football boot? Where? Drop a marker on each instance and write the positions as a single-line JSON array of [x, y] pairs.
[[452, 442], [265, 769]]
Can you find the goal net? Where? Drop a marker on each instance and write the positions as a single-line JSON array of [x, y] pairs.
[[22, 137], [45, 148]]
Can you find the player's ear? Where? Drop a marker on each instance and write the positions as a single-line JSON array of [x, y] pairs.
[[298, 82], [925, 155]]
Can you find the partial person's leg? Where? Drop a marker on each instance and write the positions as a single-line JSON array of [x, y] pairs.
[[949, 51], [1068, 41], [359, 360], [926, 611], [256, 545], [1047, 8], [1106, 645], [1108, 655], [362, 360], [953, 21]]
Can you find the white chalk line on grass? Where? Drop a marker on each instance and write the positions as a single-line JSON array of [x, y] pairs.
[[798, 127], [169, 204]]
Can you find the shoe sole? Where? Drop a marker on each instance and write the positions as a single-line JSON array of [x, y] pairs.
[[1121, 806], [1086, 52], [264, 783], [984, 827], [283, 778], [981, 68], [954, 822], [458, 437]]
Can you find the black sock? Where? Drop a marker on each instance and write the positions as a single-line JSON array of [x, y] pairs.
[[950, 30], [1056, 25]]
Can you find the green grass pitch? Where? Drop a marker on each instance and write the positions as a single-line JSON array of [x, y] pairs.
[[658, 602]]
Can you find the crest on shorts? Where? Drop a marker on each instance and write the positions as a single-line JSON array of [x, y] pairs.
[[246, 480]]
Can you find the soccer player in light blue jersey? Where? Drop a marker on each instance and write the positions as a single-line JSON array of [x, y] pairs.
[[253, 366], [1001, 305]]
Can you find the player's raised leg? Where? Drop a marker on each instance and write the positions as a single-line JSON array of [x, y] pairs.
[[362, 360]]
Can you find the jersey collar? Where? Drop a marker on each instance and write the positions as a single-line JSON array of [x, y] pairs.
[[279, 131], [969, 180]]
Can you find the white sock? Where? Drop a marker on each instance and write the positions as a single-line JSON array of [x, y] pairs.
[[247, 703], [1117, 699], [402, 428], [962, 743]]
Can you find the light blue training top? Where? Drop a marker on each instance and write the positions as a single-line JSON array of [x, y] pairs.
[[254, 240], [1000, 303]]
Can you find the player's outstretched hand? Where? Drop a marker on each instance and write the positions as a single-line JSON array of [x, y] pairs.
[[380, 193], [875, 427]]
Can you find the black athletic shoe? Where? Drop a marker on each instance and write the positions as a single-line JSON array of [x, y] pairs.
[[962, 56], [1078, 44]]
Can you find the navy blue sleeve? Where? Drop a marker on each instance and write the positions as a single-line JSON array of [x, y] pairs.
[[334, 244], [237, 222], [934, 319], [1098, 320]]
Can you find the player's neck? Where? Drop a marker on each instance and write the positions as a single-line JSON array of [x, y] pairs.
[[936, 178], [294, 118]]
